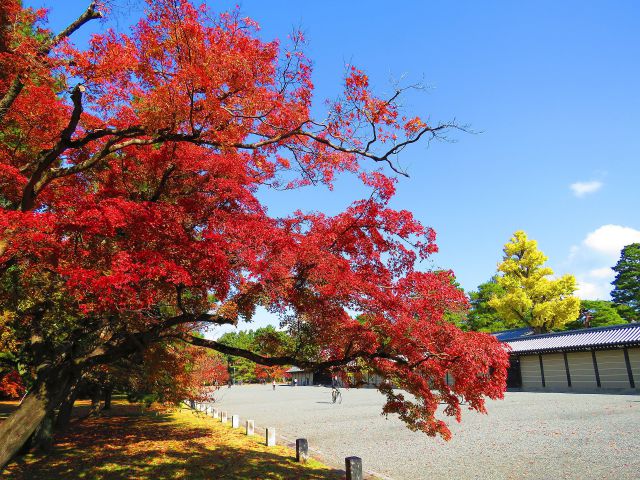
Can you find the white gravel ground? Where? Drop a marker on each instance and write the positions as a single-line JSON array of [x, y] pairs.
[[528, 435]]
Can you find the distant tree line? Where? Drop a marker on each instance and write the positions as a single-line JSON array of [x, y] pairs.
[[265, 341]]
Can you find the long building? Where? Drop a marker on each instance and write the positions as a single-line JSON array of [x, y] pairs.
[[601, 359], [586, 360]]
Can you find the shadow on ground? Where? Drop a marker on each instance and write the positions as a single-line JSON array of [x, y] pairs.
[[127, 445]]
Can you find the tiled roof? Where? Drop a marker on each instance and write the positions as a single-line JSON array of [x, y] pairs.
[[508, 335], [294, 370], [617, 335]]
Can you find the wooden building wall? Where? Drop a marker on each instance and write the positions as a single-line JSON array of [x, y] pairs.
[[581, 371]]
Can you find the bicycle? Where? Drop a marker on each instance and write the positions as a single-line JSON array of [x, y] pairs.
[[336, 395]]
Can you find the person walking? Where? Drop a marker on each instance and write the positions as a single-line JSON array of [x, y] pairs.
[[274, 385]]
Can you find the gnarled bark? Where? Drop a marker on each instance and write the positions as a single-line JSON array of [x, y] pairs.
[[64, 412], [51, 388], [42, 438]]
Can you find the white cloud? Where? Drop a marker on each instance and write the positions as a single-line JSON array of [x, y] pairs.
[[603, 273], [591, 291], [609, 239], [580, 189], [592, 259]]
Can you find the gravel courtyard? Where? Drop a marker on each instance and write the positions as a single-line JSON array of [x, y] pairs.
[[526, 436]]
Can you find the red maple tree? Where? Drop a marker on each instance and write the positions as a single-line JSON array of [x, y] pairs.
[[11, 385], [128, 180], [269, 374], [174, 373]]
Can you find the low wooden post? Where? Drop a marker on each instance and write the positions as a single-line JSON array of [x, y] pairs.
[[354, 468], [271, 436], [250, 427], [302, 450], [235, 421]]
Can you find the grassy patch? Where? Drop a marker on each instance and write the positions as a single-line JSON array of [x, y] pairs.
[[176, 444]]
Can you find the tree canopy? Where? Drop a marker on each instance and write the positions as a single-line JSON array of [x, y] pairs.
[[531, 297], [129, 216], [596, 313], [482, 317], [626, 285]]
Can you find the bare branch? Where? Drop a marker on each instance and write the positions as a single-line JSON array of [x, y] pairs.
[[17, 84], [89, 14]]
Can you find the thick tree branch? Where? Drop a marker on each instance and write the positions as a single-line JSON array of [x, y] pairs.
[[48, 157], [286, 359], [190, 318], [163, 182], [124, 344], [136, 136], [238, 352], [17, 84], [9, 97]]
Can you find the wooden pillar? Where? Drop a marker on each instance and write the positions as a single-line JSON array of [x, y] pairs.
[[544, 384], [595, 368], [632, 384], [566, 367]]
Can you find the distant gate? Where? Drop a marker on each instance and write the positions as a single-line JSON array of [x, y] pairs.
[[514, 377]]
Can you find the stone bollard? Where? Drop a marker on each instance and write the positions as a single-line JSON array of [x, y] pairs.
[[235, 421], [223, 417], [214, 413], [271, 437], [302, 450], [250, 426], [354, 468]]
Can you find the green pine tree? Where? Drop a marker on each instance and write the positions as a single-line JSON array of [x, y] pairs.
[[626, 291]]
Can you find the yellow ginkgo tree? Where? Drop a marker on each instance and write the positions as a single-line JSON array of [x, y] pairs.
[[531, 295]]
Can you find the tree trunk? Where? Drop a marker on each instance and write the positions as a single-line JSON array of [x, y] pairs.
[[107, 398], [42, 438], [64, 413], [48, 393], [96, 396]]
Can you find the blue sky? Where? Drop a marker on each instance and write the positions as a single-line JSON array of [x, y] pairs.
[[552, 87]]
